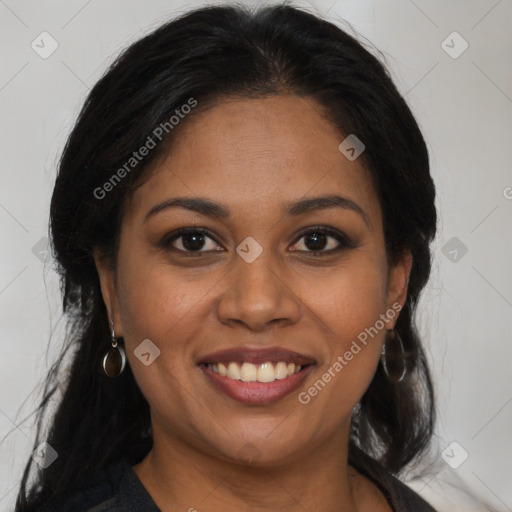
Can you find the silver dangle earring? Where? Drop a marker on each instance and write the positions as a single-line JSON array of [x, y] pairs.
[[393, 357], [114, 360]]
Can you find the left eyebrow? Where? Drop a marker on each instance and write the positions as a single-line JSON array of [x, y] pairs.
[[214, 209], [311, 204]]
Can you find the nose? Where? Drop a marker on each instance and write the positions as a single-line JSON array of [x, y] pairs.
[[258, 296]]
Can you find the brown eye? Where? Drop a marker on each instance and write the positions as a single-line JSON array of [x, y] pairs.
[[191, 240], [321, 241]]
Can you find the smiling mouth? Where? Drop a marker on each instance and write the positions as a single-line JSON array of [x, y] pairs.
[[256, 375], [247, 372], [256, 384]]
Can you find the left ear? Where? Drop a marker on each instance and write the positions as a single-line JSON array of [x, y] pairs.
[[397, 284]]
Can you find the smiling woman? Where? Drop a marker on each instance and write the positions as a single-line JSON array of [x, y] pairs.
[[269, 248]]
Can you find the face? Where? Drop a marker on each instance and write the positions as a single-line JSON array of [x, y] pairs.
[[308, 281]]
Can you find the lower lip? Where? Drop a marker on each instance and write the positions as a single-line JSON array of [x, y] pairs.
[[257, 392]]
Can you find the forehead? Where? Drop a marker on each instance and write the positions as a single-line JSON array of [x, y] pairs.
[[257, 153]]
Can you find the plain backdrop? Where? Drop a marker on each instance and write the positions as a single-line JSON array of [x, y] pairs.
[[451, 60]]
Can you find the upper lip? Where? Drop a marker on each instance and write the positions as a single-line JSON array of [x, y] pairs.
[[256, 356]]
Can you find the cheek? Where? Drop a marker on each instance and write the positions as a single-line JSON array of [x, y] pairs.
[[174, 308], [169, 309], [348, 299], [348, 305], [160, 304], [155, 297]]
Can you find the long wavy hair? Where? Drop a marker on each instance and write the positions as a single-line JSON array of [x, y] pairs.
[[210, 54]]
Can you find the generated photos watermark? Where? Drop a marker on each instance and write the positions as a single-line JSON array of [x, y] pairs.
[[343, 360], [137, 156]]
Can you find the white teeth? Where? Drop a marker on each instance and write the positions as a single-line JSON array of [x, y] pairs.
[[266, 373], [281, 370], [233, 371], [248, 372]]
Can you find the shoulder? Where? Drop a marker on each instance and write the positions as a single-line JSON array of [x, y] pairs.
[[101, 493], [112, 489], [401, 497], [404, 498]]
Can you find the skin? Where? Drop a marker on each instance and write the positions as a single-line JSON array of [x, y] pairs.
[[254, 156]]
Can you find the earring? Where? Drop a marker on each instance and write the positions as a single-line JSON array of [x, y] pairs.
[[114, 360], [392, 357]]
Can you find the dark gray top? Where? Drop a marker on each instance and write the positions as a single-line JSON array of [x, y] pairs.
[[118, 488]]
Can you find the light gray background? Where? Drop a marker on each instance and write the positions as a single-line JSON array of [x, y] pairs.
[[463, 106]]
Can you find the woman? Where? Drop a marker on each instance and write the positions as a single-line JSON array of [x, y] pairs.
[[242, 219]]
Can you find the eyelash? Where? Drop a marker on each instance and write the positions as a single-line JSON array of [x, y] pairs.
[[344, 241]]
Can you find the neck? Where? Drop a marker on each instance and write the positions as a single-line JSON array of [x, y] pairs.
[[178, 476]]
